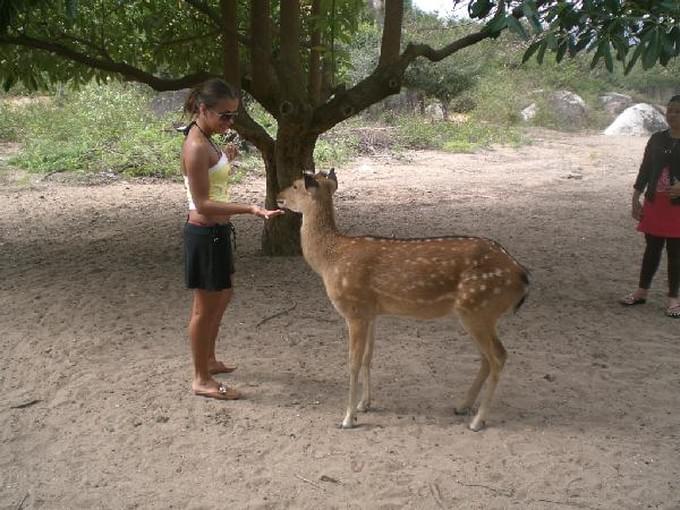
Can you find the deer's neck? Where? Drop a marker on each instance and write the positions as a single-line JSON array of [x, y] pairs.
[[319, 236]]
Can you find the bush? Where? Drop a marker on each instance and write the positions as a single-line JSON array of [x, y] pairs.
[[97, 129]]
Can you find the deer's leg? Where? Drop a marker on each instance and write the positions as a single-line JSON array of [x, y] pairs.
[[365, 402], [467, 404], [483, 329], [358, 333]]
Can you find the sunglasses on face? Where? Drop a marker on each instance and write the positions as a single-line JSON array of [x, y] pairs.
[[226, 116]]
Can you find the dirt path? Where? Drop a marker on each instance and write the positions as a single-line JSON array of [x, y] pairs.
[[96, 409]]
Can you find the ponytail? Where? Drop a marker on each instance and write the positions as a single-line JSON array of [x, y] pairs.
[[209, 93]]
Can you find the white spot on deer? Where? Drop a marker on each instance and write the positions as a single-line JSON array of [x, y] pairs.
[[497, 290], [344, 282], [482, 287]]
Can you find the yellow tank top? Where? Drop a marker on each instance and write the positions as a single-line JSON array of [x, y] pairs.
[[218, 177]]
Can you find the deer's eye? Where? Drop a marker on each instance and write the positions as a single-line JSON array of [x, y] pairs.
[[294, 186]]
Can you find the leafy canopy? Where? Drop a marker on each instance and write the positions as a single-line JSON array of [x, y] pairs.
[[625, 30]]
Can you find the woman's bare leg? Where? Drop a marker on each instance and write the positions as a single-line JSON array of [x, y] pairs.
[[207, 306]]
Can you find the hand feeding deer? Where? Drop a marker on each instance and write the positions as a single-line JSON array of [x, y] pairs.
[[421, 278]]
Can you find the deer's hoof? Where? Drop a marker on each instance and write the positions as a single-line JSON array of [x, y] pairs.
[[477, 425], [347, 423], [363, 407]]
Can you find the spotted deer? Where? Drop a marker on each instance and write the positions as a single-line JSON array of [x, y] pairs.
[[423, 278]]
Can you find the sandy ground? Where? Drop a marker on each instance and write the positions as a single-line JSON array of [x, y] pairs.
[[96, 409]]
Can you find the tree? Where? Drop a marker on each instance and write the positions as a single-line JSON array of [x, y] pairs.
[[283, 54]]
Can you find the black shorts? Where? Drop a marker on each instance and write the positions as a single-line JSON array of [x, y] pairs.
[[208, 256]]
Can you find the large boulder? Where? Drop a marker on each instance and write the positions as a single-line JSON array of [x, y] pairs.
[[614, 103], [640, 119], [568, 108]]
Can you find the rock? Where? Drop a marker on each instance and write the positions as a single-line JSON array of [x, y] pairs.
[[569, 109], [614, 103], [434, 111], [529, 112], [638, 120]]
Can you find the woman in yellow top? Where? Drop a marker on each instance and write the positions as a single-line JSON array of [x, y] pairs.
[[213, 106]]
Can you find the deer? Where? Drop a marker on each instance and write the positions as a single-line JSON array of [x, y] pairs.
[[424, 278]]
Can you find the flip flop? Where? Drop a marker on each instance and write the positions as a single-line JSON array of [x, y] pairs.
[[631, 300], [223, 392], [226, 369], [673, 312]]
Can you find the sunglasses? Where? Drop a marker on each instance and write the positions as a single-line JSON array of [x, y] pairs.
[[226, 116]]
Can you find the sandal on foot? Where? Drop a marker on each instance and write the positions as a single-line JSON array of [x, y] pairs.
[[631, 300], [223, 392], [673, 312]]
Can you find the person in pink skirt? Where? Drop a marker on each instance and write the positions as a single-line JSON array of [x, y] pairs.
[[659, 215]]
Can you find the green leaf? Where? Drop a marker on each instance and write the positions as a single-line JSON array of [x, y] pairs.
[[651, 52], [515, 26], [479, 8], [497, 24], [608, 61], [531, 50], [541, 52], [598, 55], [561, 50], [634, 58]]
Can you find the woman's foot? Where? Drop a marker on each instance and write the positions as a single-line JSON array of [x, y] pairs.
[[639, 297], [217, 390], [218, 367], [673, 310]]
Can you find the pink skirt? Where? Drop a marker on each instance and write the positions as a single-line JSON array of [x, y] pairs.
[[660, 218]]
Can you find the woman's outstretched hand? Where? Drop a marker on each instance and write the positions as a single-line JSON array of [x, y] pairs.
[[267, 213]]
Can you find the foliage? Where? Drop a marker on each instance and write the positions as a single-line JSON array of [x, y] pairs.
[[413, 133], [97, 129], [610, 29]]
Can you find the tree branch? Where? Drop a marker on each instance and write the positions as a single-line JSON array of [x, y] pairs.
[[230, 53], [250, 130], [383, 82], [391, 38], [291, 74], [263, 82], [314, 84], [127, 71]]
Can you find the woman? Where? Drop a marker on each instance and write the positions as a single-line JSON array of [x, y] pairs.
[[659, 217], [207, 233]]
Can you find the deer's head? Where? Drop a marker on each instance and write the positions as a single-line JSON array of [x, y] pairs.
[[300, 195]]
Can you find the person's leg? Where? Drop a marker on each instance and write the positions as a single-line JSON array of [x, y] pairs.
[[207, 305], [650, 263], [214, 366], [673, 252]]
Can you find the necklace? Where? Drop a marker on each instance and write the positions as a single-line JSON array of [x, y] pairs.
[[212, 144]]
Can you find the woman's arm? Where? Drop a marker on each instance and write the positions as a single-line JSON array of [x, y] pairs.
[[196, 164], [644, 172]]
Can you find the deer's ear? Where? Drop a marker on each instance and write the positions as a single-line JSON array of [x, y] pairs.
[[310, 181], [334, 180]]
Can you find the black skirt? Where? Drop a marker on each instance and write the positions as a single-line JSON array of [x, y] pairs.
[[208, 256]]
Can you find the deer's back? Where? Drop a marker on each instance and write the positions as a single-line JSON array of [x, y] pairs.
[[423, 278]]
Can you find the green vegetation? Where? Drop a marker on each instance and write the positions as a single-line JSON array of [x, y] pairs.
[[98, 128]]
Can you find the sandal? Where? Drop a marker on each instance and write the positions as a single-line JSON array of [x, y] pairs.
[[673, 312], [223, 392], [631, 300]]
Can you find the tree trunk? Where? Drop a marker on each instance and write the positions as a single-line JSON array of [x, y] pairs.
[[293, 153]]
